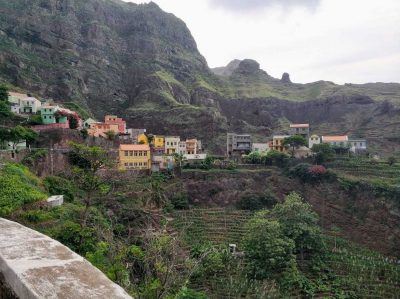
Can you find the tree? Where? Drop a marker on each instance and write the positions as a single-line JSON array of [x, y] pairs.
[[17, 134], [88, 160], [323, 153], [294, 142], [3, 93], [4, 104], [110, 135], [299, 223], [392, 160], [268, 252], [253, 158], [275, 158]]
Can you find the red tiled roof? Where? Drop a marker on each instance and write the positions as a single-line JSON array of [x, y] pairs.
[[134, 147], [335, 138], [299, 125]]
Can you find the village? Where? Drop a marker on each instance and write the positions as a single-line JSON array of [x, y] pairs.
[[139, 150]]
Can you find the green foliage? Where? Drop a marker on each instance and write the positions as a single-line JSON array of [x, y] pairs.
[[186, 293], [299, 223], [17, 134], [18, 187], [56, 185], [392, 160], [268, 251], [90, 158], [294, 142], [308, 173], [35, 119], [180, 201], [110, 135], [79, 239], [276, 158], [84, 133], [323, 153], [5, 109], [33, 157], [256, 201], [253, 158]]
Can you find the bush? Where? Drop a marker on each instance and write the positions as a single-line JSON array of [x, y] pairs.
[[255, 202], [180, 201], [60, 186], [275, 158], [18, 187], [308, 173]]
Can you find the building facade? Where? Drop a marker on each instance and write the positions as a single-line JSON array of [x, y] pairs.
[[191, 146], [300, 129], [336, 141], [314, 139], [134, 156], [172, 144], [357, 145], [182, 148], [238, 144], [114, 120], [277, 143]]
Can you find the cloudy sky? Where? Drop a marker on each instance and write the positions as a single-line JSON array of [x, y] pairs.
[[337, 40]]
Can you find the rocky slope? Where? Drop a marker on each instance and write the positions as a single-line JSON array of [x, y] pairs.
[[143, 64]]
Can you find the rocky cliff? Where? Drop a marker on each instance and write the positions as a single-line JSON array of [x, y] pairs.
[[143, 64]]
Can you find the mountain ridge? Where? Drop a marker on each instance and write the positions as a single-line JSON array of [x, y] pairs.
[[143, 64]]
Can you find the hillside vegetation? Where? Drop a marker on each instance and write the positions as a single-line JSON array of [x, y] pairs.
[[143, 64]]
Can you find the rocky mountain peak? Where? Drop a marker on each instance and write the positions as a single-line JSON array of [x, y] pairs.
[[248, 66], [286, 78]]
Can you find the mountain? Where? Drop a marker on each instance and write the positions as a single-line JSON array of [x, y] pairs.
[[142, 63]]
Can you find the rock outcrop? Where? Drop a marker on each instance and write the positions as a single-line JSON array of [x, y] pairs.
[[286, 78]]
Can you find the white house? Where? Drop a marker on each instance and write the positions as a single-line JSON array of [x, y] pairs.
[[182, 148], [336, 141], [27, 104], [314, 139], [260, 147], [172, 144], [357, 145]]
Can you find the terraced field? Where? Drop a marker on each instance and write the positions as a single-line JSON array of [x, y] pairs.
[[348, 271]]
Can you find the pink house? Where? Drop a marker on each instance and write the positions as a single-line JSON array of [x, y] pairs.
[[113, 120]]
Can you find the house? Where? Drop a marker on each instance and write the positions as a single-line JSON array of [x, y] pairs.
[[192, 146], [314, 139], [164, 162], [87, 123], [193, 159], [102, 129], [15, 108], [134, 156], [48, 114], [336, 141], [158, 145], [260, 147], [300, 129], [182, 148], [114, 120], [277, 143], [27, 104], [172, 144], [135, 133], [238, 144], [8, 145], [142, 139], [357, 145]]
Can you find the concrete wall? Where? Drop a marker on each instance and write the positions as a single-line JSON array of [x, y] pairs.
[[35, 266]]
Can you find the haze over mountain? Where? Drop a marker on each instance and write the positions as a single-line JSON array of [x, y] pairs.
[[143, 64]]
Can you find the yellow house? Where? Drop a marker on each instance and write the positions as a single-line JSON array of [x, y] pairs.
[[277, 143], [142, 139], [158, 141], [134, 156]]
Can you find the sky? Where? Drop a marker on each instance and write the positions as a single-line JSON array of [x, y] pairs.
[[344, 41]]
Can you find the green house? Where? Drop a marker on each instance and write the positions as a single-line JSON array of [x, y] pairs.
[[49, 115]]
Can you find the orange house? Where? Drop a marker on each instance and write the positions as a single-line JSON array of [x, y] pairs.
[[113, 120], [134, 156], [100, 129]]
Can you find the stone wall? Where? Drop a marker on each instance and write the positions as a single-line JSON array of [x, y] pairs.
[[35, 266]]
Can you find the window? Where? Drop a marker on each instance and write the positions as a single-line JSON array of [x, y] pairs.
[[140, 163], [131, 164], [145, 163], [144, 153], [126, 164], [135, 164], [126, 153], [140, 153], [131, 153], [136, 153], [44, 117]]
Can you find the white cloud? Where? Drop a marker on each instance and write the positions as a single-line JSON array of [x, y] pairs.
[[340, 40]]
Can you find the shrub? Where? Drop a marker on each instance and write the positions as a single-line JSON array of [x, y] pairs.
[[255, 202], [180, 201], [275, 158], [56, 185], [18, 187], [308, 173]]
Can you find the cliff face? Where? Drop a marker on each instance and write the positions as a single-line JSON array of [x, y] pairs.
[[143, 64]]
